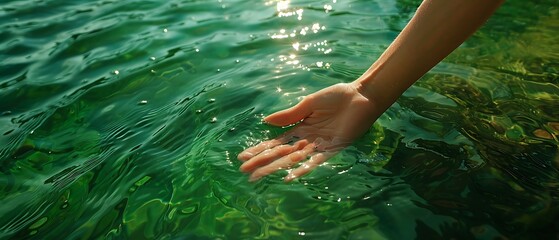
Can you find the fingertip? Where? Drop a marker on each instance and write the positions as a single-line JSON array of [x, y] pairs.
[[244, 156], [273, 120], [266, 119], [244, 168], [289, 178], [254, 178], [289, 116]]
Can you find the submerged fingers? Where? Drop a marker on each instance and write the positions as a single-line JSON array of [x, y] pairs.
[[309, 165], [284, 162], [287, 151], [261, 147], [269, 155]]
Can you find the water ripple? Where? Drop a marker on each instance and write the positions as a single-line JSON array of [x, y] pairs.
[[124, 119]]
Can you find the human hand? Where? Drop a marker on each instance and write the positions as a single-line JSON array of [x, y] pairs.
[[332, 119]]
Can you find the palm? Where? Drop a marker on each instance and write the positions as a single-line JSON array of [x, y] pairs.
[[332, 119]]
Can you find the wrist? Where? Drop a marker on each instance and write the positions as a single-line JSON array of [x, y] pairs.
[[375, 90]]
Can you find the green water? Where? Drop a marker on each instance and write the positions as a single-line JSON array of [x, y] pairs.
[[123, 119]]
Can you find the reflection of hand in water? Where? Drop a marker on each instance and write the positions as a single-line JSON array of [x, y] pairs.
[[332, 119]]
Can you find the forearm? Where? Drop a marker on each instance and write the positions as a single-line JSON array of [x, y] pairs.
[[437, 28]]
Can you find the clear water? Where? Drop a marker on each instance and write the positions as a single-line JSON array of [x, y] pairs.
[[123, 119]]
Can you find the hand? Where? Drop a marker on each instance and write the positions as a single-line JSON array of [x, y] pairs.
[[332, 119]]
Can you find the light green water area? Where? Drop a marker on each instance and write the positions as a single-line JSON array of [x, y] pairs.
[[123, 119]]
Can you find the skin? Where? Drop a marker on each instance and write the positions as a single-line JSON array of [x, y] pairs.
[[332, 118]]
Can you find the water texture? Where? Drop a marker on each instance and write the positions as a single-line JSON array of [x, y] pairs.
[[123, 119]]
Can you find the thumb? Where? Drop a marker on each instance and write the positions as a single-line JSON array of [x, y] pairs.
[[291, 115]]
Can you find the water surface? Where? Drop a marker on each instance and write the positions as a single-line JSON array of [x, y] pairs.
[[123, 119]]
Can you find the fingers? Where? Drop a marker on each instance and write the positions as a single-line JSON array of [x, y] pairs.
[[284, 162], [253, 151], [269, 155], [308, 166], [292, 115], [277, 154]]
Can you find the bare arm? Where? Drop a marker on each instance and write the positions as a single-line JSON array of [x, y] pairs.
[[437, 28]]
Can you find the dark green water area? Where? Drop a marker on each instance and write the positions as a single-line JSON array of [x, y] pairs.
[[123, 119]]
